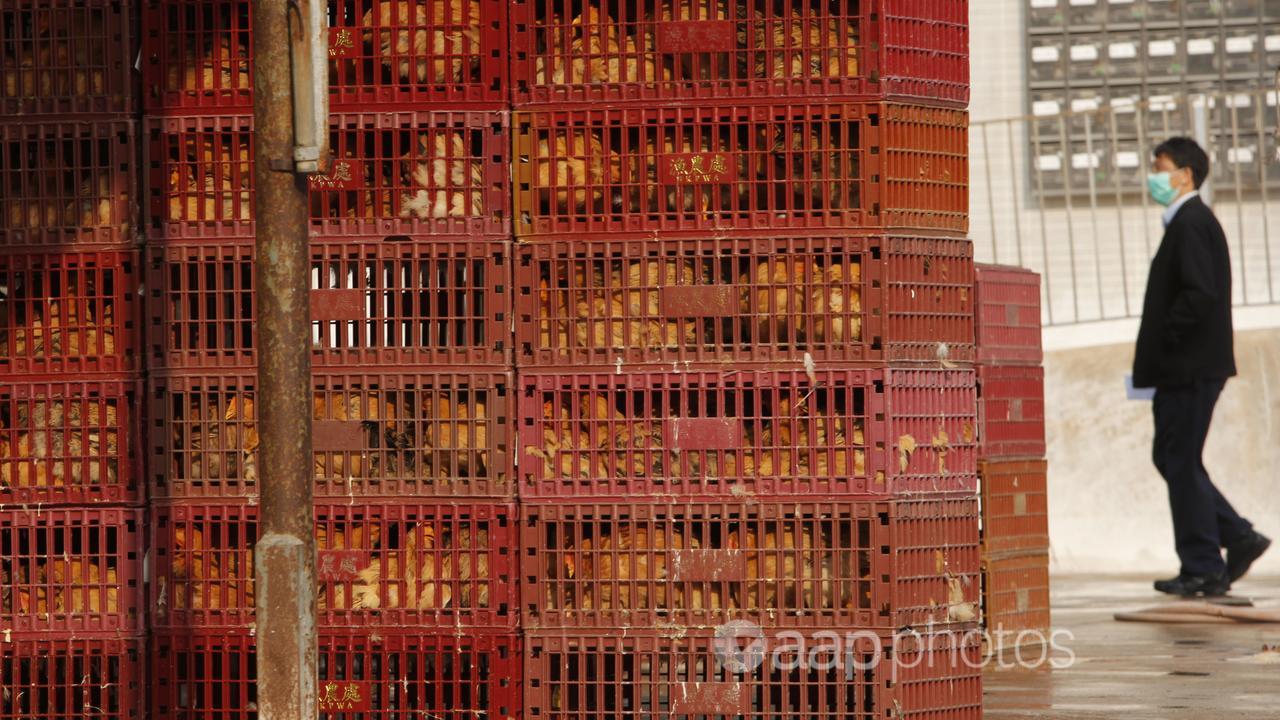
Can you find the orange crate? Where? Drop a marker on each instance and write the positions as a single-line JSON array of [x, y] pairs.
[[1015, 505], [1015, 598], [799, 166]]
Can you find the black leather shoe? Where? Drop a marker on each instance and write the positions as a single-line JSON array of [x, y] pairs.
[[1242, 555], [1189, 586]]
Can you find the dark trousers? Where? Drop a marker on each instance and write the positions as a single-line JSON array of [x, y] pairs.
[[1203, 521]]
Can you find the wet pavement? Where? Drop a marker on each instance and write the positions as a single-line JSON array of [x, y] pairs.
[[1140, 671]]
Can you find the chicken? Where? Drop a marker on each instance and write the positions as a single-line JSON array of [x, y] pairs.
[[358, 538], [789, 432], [627, 314], [571, 175], [568, 449], [433, 570], [210, 61], [628, 570], [221, 445], [63, 586], [699, 155], [596, 52], [601, 442], [456, 442], [55, 54], [208, 575], [789, 573], [60, 442], [57, 329], [81, 586], [212, 181], [375, 416], [805, 47], [442, 49], [836, 304], [445, 178], [774, 301], [814, 167]]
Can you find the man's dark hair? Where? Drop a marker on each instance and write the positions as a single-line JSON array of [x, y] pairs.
[[1186, 153]]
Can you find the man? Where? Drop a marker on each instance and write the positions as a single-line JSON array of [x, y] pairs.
[[1185, 351]]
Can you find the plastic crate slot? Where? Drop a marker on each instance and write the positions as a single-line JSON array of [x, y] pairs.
[[372, 303], [764, 300], [378, 434], [658, 51], [424, 563]]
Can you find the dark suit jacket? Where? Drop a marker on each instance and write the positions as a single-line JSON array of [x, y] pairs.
[[1186, 318]]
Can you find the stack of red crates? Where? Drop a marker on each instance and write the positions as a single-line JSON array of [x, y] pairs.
[[413, 429], [1012, 466], [71, 516], [744, 336]]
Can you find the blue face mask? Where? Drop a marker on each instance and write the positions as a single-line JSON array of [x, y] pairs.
[[1161, 188]]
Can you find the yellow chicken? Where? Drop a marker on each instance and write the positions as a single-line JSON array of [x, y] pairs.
[[444, 48], [628, 570], [456, 442], [208, 576], [597, 52], [58, 329], [62, 55], [444, 178], [570, 172], [805, 47], [568, 450], [773, 299], [220, 446], [836, 304], [212, 182], [372, 413], [208, 62], [59, 442]]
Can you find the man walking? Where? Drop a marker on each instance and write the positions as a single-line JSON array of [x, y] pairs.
[[1185, 351]]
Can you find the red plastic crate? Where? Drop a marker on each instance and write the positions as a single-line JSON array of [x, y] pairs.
[[737, 432], [1015, 505], [69, 312], [924, 46], [730, 168], [198, 54], [64, 57], [1011, 411], [721, 301], [381, 673], [379, 302], [66, 182], [658, 51], [404, 563], [373, 434], [71, 570], [394, 173], [1015, 598], [801, 563], [939, 677], [64, 678], [69, 442], [837, 674], [1008, 318]]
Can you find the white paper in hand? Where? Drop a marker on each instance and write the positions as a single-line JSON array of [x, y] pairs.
[[1134, 393]]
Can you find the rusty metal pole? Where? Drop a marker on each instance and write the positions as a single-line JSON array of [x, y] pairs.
[[284, 568]]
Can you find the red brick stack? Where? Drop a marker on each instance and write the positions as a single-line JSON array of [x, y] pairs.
[[1012, 465]]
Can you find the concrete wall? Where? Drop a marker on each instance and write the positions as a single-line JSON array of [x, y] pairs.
[[1108, 507]]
